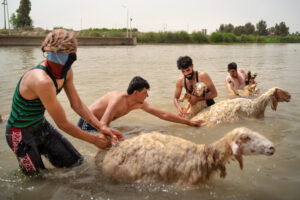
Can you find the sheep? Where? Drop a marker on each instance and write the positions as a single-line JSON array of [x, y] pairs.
[[154, 157], [199, 89], [249, 90], [240, 108]]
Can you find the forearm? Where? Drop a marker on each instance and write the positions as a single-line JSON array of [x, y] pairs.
[[173, 118], [176, 103], [76, 132]]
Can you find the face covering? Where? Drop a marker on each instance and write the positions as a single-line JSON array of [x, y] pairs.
[[191, 76], [59, 64]]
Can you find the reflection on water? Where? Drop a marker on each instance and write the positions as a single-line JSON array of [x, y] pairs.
[[99, 70]]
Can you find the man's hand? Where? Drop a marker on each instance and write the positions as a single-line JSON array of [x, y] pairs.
[[115, 136], [181, 111], [196, 123], [118, 134], [102, 142]]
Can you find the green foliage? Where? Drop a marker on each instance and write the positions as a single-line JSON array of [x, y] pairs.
[[230, 38], [239, 30], [199, 37], [247, 38], [249, 28], [22, 19], [261, 28], [6, 32], [260, 39], [216, 37], [165, 37], [281, 29]]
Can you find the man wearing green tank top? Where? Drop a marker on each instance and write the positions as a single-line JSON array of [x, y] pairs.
[[28, 133]]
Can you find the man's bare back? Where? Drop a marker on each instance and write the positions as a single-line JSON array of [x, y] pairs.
[[123, 105]]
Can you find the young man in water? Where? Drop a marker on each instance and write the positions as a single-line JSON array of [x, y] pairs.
[[28, 133], [237, 77], [116, 104], [187, 80]]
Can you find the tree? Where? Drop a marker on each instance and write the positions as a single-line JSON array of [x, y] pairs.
[[222, 28], [281, 29], [22, 19], [271, 30], [13, 20], [249, 28], [239, 30], [261, 27], [228, 28]]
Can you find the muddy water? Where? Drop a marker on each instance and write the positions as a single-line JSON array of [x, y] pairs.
[[99, 70]]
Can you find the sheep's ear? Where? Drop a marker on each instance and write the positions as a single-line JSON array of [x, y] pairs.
[[236, 150], [274, 100]]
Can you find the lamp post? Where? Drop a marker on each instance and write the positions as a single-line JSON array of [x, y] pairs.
[[126, 19], [4, 4], [130, 28]]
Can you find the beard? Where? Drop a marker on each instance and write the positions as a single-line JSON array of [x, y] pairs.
[[190, 76]]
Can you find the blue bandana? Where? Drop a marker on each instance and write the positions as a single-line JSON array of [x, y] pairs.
[[59, 58]]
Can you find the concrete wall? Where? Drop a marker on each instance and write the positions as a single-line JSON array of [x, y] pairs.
[[82, 41]]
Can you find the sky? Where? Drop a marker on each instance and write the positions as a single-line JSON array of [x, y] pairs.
[[159, 15]]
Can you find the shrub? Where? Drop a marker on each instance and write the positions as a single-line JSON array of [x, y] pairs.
[[216, 37]]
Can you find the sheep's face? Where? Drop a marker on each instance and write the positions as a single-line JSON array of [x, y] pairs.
[[199, 89], [282, 95], [279, 95], [247, 142]]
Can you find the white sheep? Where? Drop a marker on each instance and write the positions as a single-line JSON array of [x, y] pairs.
[[199, 90], [240, 108], [163, 158]]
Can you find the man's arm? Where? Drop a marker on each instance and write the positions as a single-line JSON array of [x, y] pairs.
[[46, 92], [165, 115], [108, 116], [204, 77], [177, 93], [243, 73], [228, 86], [82, 110]]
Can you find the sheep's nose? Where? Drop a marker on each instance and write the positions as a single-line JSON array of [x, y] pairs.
[[271, 150]]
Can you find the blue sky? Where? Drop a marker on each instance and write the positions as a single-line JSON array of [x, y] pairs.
[[158, 15]]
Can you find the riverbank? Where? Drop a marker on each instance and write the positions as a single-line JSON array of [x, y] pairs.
[[16, 40], [182, 37]]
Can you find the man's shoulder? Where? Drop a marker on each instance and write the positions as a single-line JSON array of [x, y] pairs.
[[202, 73], [38, 77], [180, 79]]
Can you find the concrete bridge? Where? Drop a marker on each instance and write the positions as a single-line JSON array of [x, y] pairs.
[[11, 40]]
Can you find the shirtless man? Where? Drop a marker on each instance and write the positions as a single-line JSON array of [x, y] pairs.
[[188, 78], [237, 77], [116, 104]]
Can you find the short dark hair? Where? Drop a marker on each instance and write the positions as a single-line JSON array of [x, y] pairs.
[[232, 65], [137, 83], [184, 62]]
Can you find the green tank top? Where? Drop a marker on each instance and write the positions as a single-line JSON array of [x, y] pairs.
[[28, 113]]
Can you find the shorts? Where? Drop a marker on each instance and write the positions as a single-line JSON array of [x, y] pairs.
[[86, 126], [210, 102], [30, 143]]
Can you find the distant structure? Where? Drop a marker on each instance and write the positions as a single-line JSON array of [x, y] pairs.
[[204, 31]]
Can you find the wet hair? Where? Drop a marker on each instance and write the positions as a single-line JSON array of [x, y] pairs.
[[137, 83], [60, 41], [184, 62], [232, 65]]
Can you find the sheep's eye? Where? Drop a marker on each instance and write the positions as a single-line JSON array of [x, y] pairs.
[[245, 138]]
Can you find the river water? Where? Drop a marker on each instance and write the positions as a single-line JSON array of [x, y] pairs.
[[99, 70]]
